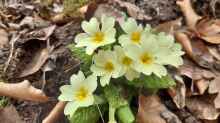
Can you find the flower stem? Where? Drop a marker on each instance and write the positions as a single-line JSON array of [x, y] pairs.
[[125, 114], [112, 115]]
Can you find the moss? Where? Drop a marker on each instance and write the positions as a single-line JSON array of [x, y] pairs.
[[3, 102], [71, 6]]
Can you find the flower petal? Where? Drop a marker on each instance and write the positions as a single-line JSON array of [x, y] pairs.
[[87, 102], [130, 25], [159, 70], [66, 93], [133, 51], [131, 74], [104, 80], [90, 49], [71, 108], [91, 27], [107, 22], [98, 71], [82, 37], [91, 83], [77, 79], [124, 40]]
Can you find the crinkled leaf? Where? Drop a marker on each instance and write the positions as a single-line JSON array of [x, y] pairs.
[[154, 82], [114, 97], [86, 115], [86, 60]]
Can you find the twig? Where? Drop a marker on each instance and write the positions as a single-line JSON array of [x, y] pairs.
[[12, 42], [23, 90], [55, 114]]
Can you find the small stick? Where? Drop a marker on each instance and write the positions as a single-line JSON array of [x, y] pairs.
[[55, 114]]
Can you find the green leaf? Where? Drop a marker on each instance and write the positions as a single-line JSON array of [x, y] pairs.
[[154, 82], [125, 115], [114, 97], [86, 60], [86, 115]]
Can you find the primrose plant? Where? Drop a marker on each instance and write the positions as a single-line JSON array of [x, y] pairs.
[[135, 53]]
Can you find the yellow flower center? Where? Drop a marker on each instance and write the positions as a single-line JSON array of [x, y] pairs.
[[136, 37], [126, 61], [146, 58], [98, 37], [109, 67], [81, 94]]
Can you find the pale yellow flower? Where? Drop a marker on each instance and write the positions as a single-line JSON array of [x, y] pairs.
[[79, 93], [126, 64], [106, 66], [146, 57], [134, 33], [95, 37]]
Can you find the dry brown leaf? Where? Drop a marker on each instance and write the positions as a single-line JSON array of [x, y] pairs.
[[23, 90], [178, 93], [215, 39], [109, 11], [169, 27], [196, 50], [190, 15], [209, 30], [210, 121], [184, 40], [207, 26], [55, 114], [214, 87], [214, 52], [202, 85], [200, 77], [133, 10], [202, 107], [151, 110], [40, 34], [3, 38], [38, 60], [10, 115]]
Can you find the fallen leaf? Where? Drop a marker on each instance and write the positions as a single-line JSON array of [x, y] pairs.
[[151, 110], [133, 10], [39, 34], [200, 77], [169, 27], [109, 11], [196, 50], [202, 85], [214, 52], [209, 30], [37, 62], [3, 38], [184, 40], [210, 121], [10, 115], [214, 88], [178, 93], [190, 15], [56, 113], [207, 26], [23, 90], [202, 107]]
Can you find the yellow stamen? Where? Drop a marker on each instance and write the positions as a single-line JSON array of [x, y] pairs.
[[98, 37], [126, 61], [136, 37], [109, 67], [146, 58], [81, 94]]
